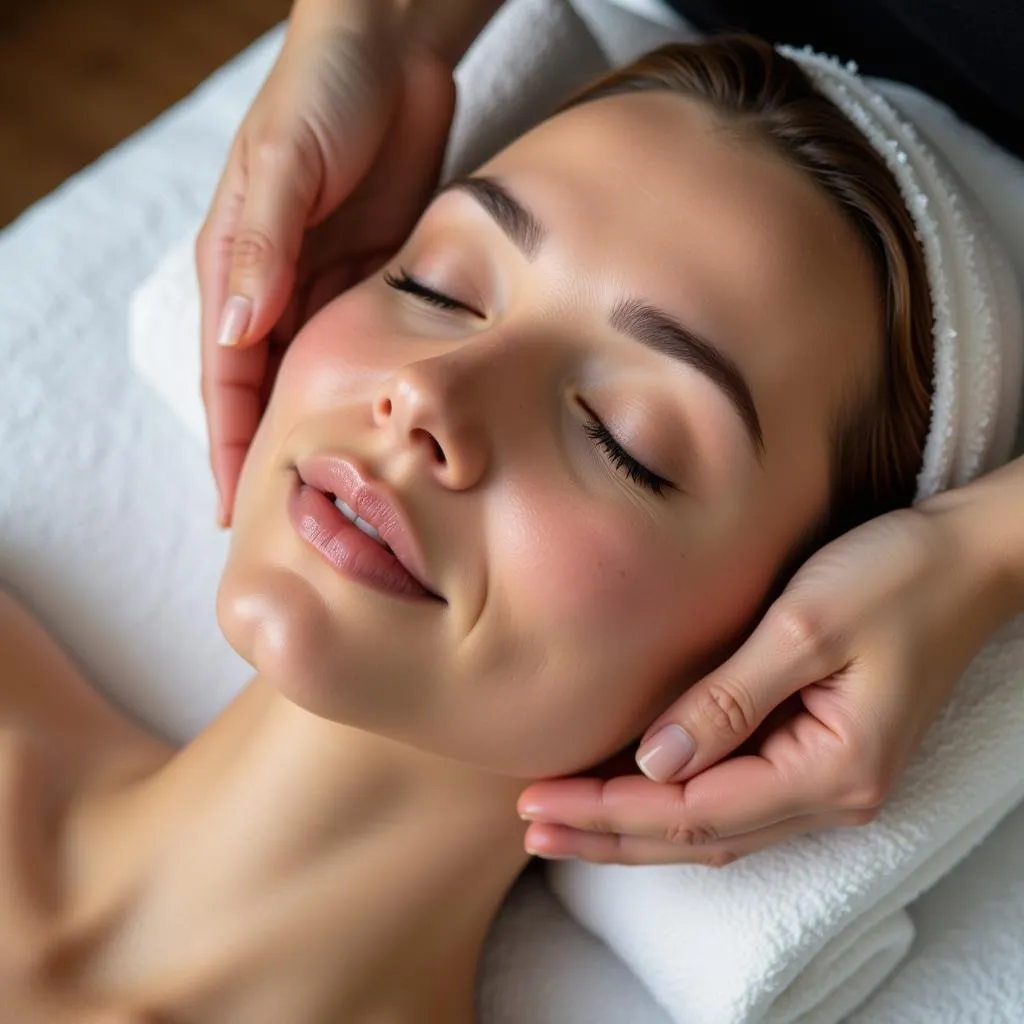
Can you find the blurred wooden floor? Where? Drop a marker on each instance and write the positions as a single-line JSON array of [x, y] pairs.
[[77, 76]]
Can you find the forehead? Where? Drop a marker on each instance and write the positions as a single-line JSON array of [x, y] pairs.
[[650, 194]]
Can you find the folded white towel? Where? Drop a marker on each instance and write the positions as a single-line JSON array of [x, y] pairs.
[[806, 931]]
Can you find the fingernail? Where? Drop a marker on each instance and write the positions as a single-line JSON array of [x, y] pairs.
[[665, 753], [547, 855], [234, 320], [531, 811]]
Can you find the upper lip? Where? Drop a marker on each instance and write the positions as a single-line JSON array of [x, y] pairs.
[[375, 503]]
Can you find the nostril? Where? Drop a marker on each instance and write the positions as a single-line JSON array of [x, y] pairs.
[[385, 407], [428, 437]]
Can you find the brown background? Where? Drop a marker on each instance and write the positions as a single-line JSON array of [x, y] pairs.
[[77, 76]]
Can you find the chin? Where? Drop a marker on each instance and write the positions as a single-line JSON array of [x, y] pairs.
[[324, 658], [277, 622]]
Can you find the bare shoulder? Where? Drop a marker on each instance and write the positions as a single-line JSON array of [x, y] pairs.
[[60, 740], [43, 694]]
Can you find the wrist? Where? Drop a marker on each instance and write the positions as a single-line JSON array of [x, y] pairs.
[[312, 18], [446, 27], [985, 520]]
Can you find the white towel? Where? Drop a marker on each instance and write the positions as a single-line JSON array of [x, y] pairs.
[[977, 343], [806, 931]]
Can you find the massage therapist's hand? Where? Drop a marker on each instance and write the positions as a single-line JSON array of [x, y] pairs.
[[326, 176], [828, 698]]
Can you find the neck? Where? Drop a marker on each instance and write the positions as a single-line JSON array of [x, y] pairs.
[[279, 857]]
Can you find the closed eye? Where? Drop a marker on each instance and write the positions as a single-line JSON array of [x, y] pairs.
[[403, 281], [635, 470], [625, 463]]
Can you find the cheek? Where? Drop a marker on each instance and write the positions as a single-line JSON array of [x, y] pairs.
[[337, 354], [624, 587], [591, 574], [342, 353], [619, 618]]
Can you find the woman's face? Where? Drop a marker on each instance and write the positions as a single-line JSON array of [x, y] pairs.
[[590, 406]]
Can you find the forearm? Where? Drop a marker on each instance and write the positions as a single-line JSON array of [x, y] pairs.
[[988, 516]]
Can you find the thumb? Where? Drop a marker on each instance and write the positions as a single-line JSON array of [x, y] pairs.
[[280, 194], [724, 708]]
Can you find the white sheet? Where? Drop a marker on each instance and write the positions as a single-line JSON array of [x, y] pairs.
[[106, 530]]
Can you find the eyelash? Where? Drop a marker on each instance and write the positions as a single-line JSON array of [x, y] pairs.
[[403, 281], [636, 471]]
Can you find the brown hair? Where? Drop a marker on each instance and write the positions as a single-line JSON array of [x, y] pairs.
[[878, 440]]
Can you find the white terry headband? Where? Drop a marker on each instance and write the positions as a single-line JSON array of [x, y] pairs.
[[977, 330]]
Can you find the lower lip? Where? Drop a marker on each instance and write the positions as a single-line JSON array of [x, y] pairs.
[[346, 548]]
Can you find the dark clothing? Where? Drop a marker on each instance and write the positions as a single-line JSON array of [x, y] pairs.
[[968, 55]]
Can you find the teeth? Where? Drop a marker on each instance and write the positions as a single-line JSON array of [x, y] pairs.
[[361, 524], [367, 529]]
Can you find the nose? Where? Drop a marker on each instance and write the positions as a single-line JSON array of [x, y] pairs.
[[436, 407]]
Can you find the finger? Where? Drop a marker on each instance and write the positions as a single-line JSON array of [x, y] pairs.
[[232, 393], [280, 194], [556, 842], [246, 256], [788, 650], [795, 774], [213, 261], [214, 241]]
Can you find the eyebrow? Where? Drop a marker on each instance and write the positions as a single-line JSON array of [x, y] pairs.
[[658, 330], [524, 228], [645, 323]]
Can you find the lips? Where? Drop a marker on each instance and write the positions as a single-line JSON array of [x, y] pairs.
[[395, 562]]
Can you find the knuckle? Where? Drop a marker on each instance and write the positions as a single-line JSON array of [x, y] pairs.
[[702, 834], [676, 834], [272, 150], [212, 243], [803, 630], [252, 248], [690, 835], [866, 792], [728, 708], [718, 859], [864, 816], [601, 818], [205, 252]]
